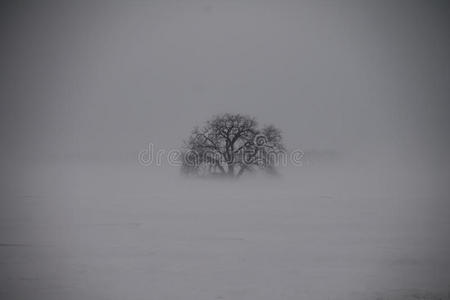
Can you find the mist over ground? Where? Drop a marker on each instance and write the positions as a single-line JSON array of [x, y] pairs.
[[114, 231], [361, 88]]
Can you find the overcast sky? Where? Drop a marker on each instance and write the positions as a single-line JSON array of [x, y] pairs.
[[91, 78]]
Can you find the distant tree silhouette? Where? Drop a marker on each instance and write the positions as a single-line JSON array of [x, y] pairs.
[[231, 144]]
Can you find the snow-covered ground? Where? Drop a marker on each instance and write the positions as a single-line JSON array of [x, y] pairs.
[[117, 232]]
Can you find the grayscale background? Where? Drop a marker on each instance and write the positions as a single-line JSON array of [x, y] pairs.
[[361, 87]]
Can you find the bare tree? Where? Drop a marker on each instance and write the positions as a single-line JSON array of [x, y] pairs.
[[231, 144]]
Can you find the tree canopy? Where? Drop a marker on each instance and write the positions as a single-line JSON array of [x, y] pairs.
[[231, 144]]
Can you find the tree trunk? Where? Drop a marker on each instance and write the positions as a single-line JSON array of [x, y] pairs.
[[241, 170], [220, 168], [231, 170]]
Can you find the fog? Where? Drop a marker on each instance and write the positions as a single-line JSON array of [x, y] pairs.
[[359, 87]]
